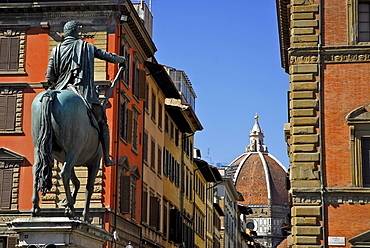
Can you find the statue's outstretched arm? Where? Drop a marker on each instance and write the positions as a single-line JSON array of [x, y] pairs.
[[110, 57]]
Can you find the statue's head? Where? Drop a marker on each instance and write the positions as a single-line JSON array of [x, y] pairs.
[[71, 29]]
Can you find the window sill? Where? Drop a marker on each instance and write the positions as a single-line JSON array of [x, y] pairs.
[[10, 132], [13, 73]]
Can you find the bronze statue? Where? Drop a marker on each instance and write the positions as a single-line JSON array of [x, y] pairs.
[[71, 66], [61, 126]]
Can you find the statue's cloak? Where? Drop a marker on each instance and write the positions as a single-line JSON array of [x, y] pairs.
[[72, 63]]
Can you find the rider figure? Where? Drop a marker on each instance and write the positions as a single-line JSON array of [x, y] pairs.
[[71, 66]]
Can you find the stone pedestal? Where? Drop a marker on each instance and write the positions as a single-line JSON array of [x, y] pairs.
[[58, 232]]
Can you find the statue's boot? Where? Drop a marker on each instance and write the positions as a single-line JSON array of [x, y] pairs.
[[105, 141]]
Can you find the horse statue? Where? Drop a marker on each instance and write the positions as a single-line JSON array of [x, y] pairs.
[[63, 130]]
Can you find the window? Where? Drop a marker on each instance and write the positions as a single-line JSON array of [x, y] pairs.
[[172, 131], [8, 242], [128, 191], [135, 130], [152, 155], [9, 177], [159, 162], [154, 103], [7, 112], [358, 21], [363, 21], [126, 73], [154, 212], [166, 123], [365, 146], [138, 81], [160, 113], [11, 51], [146, 102], [165, 219], [11, 110], [124, 118], [144, 211], [145, 147], [360, 146]]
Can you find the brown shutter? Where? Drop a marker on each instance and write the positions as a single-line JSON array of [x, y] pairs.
[[7, 112], [10, 109], [129, 125], [125, 194], [142, 85], [153, 211], [4, 53], [3, 112], [14, 53], [6, 177], [12, 242], [144, 210]]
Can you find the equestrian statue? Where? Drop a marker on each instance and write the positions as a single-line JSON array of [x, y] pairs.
[[69, 123]]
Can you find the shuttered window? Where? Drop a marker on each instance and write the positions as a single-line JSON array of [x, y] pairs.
[[123, 121], [159, 162], [7, 112], [145, 147], [125, 188], [9, 53], [144, 212], [135, 131], [154, 211], [12, 242], [142, 85], [6, 180], [176, 222], [152, 155]]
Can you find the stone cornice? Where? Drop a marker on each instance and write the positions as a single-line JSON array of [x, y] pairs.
[[42, 6]]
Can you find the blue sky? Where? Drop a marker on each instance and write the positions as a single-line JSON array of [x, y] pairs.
[[230, 52]]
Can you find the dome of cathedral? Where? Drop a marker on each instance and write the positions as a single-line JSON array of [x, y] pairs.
[[258, 175]]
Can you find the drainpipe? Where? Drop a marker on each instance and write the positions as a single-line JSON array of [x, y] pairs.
[[321, 140]]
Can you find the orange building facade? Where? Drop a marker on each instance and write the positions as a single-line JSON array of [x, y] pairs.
[[28, 32], [325, 49]]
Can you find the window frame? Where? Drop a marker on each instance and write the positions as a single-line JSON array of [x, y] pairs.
[[14, 116], [353, 22], [20, 34], [359, 128]]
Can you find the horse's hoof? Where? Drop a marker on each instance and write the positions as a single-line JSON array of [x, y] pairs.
[[69, 212], [35, 211]]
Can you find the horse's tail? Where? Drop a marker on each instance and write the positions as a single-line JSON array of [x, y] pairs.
[[43, 173]]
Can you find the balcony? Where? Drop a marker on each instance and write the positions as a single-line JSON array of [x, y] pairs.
[[183, 85]]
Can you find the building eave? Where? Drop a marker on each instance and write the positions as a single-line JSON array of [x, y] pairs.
[[282, 8]]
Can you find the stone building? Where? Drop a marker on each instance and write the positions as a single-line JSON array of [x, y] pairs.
[[260, 178], [325, 50]]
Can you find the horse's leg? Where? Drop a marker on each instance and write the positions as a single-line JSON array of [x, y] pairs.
[[35, 211], [66, 176], [76, 185], [92, 172]]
